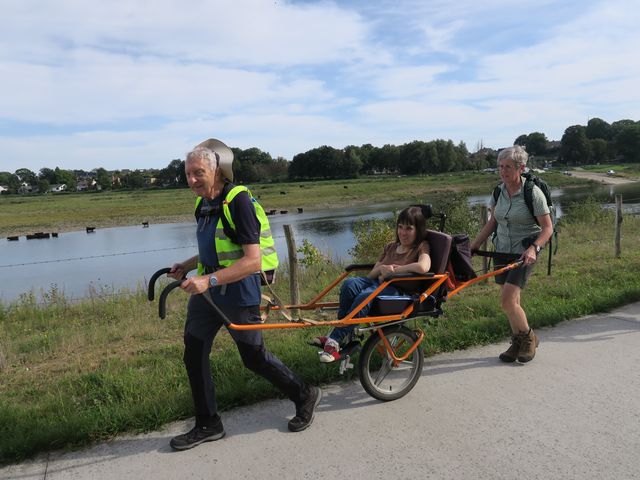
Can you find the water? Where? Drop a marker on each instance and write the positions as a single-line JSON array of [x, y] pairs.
[[77, 263]]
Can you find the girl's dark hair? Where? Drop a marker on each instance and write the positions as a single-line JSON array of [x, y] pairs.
[[413, 216]]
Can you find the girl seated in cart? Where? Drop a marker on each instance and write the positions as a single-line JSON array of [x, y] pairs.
[[408, 254]]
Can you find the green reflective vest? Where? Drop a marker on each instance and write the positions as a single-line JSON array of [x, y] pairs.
[[229, 252]]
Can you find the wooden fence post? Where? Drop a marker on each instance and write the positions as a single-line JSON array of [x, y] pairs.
[[3, 360], [294, 287], [618, 224], [484, 218]]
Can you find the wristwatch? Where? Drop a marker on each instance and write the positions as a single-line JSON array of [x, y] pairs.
[[538, 248], [213, 280]]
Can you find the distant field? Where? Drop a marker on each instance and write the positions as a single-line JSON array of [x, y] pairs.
[[20, 215]]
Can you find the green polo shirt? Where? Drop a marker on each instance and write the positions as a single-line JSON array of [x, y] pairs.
[[515, 222]]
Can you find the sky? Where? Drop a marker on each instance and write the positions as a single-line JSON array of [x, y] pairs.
[[135, 84]]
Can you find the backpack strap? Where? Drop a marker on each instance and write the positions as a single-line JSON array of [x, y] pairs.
[[496, 193], [228, 230]]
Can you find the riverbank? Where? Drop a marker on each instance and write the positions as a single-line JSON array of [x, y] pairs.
[[78, 372], [22, 215], [603, 178]]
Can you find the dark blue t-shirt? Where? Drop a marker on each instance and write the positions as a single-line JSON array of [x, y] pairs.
[[245, 292]]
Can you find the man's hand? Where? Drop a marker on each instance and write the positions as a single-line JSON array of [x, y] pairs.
[[178, 271], [195, 285]]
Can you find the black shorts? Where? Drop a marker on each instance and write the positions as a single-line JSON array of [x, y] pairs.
[[517, 276]]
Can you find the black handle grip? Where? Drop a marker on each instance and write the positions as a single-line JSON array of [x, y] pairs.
[[152, 282], [162, 302]]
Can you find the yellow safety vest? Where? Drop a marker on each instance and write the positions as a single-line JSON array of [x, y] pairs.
[[229, 252]]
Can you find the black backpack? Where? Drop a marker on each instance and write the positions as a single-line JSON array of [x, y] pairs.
[[530, 181]]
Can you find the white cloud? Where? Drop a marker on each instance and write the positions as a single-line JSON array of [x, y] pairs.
[[135, 84]]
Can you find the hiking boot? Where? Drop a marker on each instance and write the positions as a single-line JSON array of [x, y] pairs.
[[528, 344], [305, 411], [512, 352], [197, 435]]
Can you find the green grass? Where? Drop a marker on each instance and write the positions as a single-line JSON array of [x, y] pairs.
[[76, 373], [629, 170], [20, 215]]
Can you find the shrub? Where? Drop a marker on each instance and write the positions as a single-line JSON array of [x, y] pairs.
[[371, 237]]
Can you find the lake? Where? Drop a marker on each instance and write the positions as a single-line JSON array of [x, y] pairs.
[[111, 259]]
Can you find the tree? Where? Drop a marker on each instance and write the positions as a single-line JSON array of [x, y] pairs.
[[616, 127], [627, 143], [536, 143], [43, 185], [66, 177], [11, 181], [575, 148], [462, 157], [599, 150], [521, 140], [47, 174], [134, 180], [27, 176], [412, 158], [351, 162], [103, 178], [598, 128]]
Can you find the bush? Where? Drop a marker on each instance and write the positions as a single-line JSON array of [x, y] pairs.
[[587, 211], [460, 217], [371, 237]]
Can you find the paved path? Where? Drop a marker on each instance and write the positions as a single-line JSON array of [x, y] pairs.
[[574, 413]]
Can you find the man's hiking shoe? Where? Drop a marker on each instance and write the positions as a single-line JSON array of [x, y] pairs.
[[512, 352], [196, 436], [305, 410], [528, 344]]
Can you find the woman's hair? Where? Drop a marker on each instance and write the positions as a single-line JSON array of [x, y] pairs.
[[202, 153], [413, 216], [516, 153]]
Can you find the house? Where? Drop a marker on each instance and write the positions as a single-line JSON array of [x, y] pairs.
[[87, 183], [25, 188], [4, 188], [58, 187]]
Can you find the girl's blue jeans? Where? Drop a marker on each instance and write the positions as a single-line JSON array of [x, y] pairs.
[[352, 292]]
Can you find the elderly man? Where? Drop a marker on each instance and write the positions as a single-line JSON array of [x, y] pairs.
[[229, 261]]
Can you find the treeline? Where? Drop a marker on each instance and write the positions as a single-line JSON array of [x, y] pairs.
[[412, 158], [601, 142], [596, 142]]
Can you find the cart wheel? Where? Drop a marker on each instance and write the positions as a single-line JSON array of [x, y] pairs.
[[378, 375]]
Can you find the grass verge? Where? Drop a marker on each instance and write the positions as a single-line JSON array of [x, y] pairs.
[[76, 373]]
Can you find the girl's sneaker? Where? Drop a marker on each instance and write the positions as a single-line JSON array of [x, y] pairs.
[[331, 351], [318, 342]]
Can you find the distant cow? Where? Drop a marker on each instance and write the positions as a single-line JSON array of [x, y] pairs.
[[283, 193]]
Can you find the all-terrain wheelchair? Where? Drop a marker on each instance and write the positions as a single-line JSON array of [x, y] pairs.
[[390, 353]]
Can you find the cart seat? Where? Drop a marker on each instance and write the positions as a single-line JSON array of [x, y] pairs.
[[439, 250]]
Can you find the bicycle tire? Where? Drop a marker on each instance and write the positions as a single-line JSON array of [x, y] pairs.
[[378, 376]]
